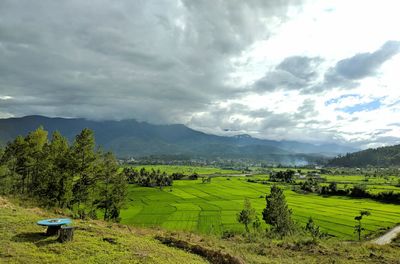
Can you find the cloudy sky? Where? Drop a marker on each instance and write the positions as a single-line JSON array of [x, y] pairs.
[[316, 71]]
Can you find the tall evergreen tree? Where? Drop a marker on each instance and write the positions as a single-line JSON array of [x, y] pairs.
[[36, 162], [15, 158], [112, 188], [84, 162], [277, 214], [59, 173]]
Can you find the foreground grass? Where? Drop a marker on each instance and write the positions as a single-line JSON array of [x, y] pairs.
[[211, 208], [22, 241], [297, 250]]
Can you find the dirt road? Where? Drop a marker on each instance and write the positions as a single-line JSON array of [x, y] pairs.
[[388, 237]]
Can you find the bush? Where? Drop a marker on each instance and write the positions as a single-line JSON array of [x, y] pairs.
[[359, 190]]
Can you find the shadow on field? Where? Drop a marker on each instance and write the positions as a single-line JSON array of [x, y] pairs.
[[38, 238]]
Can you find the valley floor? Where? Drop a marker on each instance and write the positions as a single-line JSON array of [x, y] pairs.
[[211, 208]]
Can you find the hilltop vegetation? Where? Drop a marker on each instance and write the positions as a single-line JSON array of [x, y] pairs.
[[378, 157]]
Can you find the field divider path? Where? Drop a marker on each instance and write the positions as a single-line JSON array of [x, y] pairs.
[[388, 236]]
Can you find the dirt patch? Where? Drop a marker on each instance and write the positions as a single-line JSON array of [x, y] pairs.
[[214, 256], [4, 203], [38, 212]]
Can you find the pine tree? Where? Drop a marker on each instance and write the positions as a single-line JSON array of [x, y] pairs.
[[35, 159], [15, 158], [84, 162], [277, 214], [59, 172], [112, 188]]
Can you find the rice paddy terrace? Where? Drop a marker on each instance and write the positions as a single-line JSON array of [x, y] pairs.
[[211, 208]]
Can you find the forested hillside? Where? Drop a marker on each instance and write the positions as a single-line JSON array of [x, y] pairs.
[[379, 157], [130, 138]]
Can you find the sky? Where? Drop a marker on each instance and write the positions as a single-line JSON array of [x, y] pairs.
[[312, 71]]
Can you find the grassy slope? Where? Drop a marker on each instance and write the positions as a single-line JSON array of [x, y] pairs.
[[22, 241], [299, 250], [212, 208]]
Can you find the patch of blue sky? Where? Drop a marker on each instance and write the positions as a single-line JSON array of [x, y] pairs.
[[337, 99], [375, 104]]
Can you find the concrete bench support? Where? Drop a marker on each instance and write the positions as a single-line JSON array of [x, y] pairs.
[[66, 234]]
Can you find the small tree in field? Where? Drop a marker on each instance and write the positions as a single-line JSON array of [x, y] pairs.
[[313, 229], [277, 214], [358, 227], [256, 224], [247, 215]]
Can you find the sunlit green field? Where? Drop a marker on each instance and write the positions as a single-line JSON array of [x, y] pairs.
[[212, 207]]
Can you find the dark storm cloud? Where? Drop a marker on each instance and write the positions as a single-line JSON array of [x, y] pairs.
[[158, 61], [366, 64], [301, 67], [300, 73], [293, 73], [347, 72]]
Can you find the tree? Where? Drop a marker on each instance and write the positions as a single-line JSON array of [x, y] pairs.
[[256, 224], [310, 185], [277, 214], [206, 179], [359, 190], [282, 176], [313, 229], [84, 161], [333, 187], [247, 215], [35, 159], [15, 158], [112, 188], [59, 172], [358, 227], [194, 176], [162, 179]]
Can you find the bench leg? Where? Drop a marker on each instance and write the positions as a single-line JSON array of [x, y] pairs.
[[66, 234], [52, 230]]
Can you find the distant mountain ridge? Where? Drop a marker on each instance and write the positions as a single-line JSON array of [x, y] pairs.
[[132, 138], [377, 157]]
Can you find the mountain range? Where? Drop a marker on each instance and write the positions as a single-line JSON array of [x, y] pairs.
[[130, 138]]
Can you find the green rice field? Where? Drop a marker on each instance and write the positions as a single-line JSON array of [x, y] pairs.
[[211, 208]]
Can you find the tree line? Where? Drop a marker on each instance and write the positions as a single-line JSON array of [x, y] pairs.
[[151, 178], [312, 185], [76, 176]]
